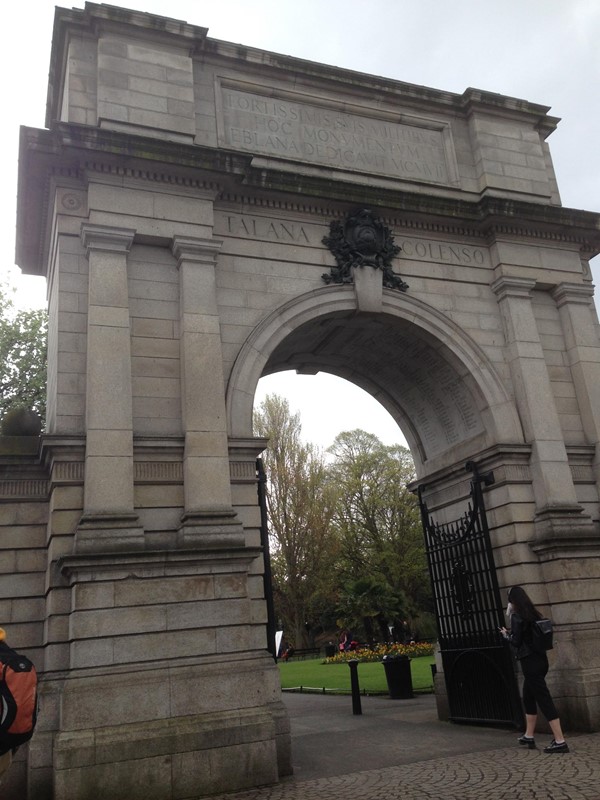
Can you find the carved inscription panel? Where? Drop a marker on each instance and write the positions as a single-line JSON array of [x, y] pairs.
[[267, 229], [440, 252], [293, 232], [410, 150]]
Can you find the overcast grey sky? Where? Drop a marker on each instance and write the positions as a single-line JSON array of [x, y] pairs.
[[544, 51]]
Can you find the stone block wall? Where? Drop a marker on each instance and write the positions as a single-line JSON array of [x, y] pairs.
[[141, 85]]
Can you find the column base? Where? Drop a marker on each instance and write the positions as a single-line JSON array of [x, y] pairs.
[[210, 528], [109, 533]]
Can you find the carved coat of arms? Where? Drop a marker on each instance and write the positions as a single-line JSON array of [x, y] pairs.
[[362, 240]]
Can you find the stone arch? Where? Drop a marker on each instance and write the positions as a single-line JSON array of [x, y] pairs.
[[445, 394]]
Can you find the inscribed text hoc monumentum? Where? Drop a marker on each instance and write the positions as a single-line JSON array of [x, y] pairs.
[[325, 136]]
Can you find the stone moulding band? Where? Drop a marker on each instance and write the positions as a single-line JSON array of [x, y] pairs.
[[87, 566], [24, 488]]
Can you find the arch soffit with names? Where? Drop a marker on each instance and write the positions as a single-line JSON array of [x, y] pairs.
[[457, 348]]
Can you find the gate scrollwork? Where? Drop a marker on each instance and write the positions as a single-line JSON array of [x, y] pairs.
[[469, 612]]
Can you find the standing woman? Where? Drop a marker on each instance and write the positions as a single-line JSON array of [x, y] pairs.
[[534, 665]]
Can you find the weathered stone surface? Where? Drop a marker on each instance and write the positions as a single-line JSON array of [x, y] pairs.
[[184, 257]]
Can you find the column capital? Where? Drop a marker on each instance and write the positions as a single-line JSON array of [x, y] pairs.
[[196, 249], [511, 286], [106, 238], [579, 293]]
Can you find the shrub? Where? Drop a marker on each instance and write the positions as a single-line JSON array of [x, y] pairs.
[[377, 653]]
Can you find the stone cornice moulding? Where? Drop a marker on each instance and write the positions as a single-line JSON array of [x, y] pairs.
[[70, 146], [580, 293], [157, 473], [82, 567], [26, 489], [242, 472], [68, 473], [231, 201], [106, 239], [512, 286], [196, 250], [488, 214], [493, 232], [105, 171]]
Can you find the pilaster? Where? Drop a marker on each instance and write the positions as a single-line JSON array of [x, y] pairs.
[[573, 301], [109, 522], [208, 519], [559, 519]]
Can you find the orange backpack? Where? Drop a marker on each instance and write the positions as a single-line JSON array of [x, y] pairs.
[[18, 698]]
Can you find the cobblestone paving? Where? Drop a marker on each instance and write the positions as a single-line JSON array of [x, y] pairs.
[[501, 774]]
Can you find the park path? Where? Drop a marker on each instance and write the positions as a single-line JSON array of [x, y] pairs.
[[399, 750]]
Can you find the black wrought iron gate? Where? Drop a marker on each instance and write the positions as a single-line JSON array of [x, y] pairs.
[[478, 665]]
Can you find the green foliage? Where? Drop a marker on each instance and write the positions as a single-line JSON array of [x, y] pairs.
[[300, 505], [346, 539], [382, 555], [364, 601], [23, 353]]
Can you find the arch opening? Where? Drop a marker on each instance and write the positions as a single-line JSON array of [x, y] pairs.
[[329, 405], [430, 377]]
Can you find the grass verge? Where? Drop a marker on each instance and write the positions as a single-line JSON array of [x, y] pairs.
[[313, 674]]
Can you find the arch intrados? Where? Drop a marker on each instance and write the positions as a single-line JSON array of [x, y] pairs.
[[453, 345]]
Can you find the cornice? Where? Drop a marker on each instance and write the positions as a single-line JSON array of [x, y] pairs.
[[87, 566], [77, 151]]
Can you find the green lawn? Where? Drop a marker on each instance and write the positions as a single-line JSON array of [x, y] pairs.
[[312, 673]]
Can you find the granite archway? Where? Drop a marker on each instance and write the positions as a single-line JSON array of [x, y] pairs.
[[179, 203]]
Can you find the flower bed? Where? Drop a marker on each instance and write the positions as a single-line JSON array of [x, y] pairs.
[[377, 653]]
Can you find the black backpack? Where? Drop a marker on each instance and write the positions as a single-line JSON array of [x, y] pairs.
[[18, 698], [541, 635]]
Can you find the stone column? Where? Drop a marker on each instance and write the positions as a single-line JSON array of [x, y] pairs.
[[209, 519], [559, 519], [108, 522], [583, 352]]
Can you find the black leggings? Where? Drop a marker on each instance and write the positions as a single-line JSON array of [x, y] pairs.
[[535, 691]]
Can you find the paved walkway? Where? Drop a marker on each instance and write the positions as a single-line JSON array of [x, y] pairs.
[[399, 750]]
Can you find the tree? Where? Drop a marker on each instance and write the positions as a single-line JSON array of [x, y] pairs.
[[23, 353], [379, 529], [300, 505], [370, 600]]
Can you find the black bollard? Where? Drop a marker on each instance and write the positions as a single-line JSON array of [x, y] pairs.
[[356, 707]]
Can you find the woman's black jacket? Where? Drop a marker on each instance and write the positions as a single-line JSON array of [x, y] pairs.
[[520, 636]]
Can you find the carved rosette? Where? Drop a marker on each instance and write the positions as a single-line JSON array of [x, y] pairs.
[[359, 241]]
